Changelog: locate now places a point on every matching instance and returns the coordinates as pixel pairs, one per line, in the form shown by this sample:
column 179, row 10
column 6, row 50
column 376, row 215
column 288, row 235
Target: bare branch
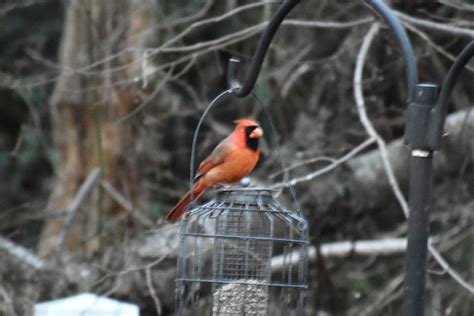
column 151, row 288
column 214, row 20
column 458, row 4
column 341, row 249
column 18, row 5
column 245, row 33
column 8, row 81
column 445, row 265
column 187, row 19
column 438, row 48
column 120, row 199
column 73, row 209
column 380, row 297
column 364, row 119
column 22, row 254
column 132, row 269
column 19, row 141
column 303, row 163
column 7, row 303
column 446, row 28
column 328, row 24
column 328, row 168
column 140, row 107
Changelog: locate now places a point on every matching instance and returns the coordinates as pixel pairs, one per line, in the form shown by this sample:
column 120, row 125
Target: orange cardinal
column 234, row 158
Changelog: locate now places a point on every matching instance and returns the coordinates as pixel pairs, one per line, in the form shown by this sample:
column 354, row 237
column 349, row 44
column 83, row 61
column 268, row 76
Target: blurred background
column 106, row 95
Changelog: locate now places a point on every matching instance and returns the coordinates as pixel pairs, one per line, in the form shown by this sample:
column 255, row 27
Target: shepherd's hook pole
column 421, row 182
column 425, row 121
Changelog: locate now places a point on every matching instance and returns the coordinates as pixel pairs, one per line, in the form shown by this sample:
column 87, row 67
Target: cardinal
column 232, row 159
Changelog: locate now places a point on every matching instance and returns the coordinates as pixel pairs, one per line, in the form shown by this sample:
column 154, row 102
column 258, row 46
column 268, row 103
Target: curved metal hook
column 257, row 60
column 446, row 89
column 195, row 137
column 407, row 50
column 262, row 48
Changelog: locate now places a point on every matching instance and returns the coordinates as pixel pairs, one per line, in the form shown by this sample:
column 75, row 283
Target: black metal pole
column 421, row 179
column 425, row 121
column 421, row 182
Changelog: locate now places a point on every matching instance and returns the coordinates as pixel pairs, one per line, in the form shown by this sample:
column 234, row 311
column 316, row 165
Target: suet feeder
column 225, row 256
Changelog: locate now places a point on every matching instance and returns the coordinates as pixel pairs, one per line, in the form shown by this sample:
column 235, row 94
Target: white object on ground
column 86, row 304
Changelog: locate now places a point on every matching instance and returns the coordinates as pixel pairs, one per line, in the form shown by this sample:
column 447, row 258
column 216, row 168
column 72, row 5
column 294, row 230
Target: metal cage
column 242, row 254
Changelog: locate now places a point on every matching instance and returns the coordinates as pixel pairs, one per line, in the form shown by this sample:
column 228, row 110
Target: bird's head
column 251, row 127
column 252, row 132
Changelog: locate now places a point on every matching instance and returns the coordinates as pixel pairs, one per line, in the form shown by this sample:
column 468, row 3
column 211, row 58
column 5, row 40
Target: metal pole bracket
column 421, row 118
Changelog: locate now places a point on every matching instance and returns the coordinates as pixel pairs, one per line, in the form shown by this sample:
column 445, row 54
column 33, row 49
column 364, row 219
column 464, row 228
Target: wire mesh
column 225, row 256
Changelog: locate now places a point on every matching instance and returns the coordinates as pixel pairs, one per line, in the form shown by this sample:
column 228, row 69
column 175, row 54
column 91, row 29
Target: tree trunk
column 88, row 100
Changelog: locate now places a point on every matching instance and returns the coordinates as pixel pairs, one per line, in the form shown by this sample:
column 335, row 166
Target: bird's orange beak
column 256, row 133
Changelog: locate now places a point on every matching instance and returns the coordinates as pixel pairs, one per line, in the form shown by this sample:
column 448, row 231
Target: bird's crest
column 246, row 122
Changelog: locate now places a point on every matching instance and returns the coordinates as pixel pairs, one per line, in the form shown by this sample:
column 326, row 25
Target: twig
column 460, row 4
column 446, row 28
column 220, row 42
column 212, row 20
column 445, row 265
column 132, row 269
column 18, row 5
column 303, row 163
column 436, row 47
column 328, row 24
column 120, row 199
column 364, row 119
column 328, row 168
column 6, row 305
column 250, row 30
column 380, row 297
column 84, row 70
column 300, row 71
column 359, row 98
column 156, row 299
column 385, row 247
column 73, row 208
column 19, row 141
column 149, row 98
column 8, row 81
column 187, row 19
column 242, row 34
column 22, row 254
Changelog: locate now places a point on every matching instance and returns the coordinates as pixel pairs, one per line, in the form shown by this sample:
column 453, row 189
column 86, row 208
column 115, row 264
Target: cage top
column 247, row 199
column 246, row 194
column 245, row 189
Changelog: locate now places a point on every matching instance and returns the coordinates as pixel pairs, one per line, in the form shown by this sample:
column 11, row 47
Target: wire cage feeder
column 242, row 254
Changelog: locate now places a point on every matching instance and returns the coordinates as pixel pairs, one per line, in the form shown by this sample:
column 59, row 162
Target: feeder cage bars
column 226, row 247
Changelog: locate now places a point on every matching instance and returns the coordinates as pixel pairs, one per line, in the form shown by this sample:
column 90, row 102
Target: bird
column 232, row 159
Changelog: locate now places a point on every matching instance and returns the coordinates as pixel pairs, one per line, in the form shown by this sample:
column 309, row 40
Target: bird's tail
column 178, row 210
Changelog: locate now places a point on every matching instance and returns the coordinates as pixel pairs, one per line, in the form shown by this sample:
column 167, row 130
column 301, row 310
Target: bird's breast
column 238, row 164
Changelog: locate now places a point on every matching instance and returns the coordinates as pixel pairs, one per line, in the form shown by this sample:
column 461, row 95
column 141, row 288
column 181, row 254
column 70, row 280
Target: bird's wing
column 217, row 157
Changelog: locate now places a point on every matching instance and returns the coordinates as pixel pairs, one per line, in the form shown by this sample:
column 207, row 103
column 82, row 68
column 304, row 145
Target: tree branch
column 384, row 247
column 445, row 28
column 22, row 254
column 73, row 208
